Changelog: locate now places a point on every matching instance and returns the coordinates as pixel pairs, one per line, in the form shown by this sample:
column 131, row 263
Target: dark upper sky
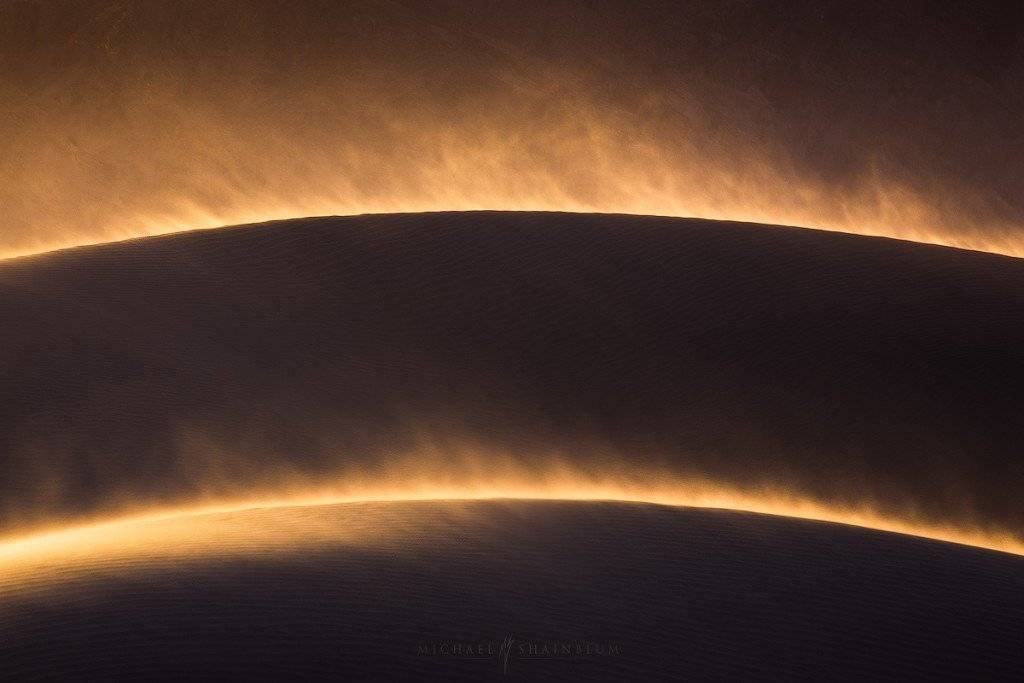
column 123, row 118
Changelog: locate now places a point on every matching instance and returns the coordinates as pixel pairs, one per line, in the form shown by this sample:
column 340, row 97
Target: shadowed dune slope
column 432, row 589
column 212, row 364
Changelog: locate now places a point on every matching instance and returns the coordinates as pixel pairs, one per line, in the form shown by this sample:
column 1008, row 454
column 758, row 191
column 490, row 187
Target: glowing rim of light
column 58, row 248
column 29, row 546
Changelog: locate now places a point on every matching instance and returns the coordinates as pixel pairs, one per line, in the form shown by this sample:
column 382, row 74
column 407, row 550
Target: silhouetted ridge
column 843, row 368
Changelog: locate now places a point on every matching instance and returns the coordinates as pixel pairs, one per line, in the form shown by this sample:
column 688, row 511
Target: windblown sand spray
column 201, row 510
column 582, row 157
column 145, row 129
column 295, row 514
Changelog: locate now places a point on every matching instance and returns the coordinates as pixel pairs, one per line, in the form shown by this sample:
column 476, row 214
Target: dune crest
column 288, row 524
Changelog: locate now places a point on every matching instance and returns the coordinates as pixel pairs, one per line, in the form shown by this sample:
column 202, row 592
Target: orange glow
column 675, row 189
column 137, row 118
column 578, row 156
column 238, row 527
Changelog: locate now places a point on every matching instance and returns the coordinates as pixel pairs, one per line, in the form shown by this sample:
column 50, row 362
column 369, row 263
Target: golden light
column 141, row 135
column 297, row 521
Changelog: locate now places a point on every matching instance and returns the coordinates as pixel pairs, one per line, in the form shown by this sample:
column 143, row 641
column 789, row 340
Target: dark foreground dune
column 431, row 590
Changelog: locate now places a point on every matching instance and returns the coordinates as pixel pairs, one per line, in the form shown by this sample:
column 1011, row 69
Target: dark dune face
column 656, row 593
column 480, row 348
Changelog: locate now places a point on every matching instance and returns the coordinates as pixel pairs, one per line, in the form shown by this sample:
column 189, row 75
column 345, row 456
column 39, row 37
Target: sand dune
column 459, row 350
column 431, row 590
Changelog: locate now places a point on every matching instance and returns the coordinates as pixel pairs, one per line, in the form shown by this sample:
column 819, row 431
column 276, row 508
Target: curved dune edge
column 244, row 526
column 1010, row 248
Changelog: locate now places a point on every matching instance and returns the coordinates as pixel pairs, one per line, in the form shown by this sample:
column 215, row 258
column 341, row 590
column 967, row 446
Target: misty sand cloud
column 132, row 118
